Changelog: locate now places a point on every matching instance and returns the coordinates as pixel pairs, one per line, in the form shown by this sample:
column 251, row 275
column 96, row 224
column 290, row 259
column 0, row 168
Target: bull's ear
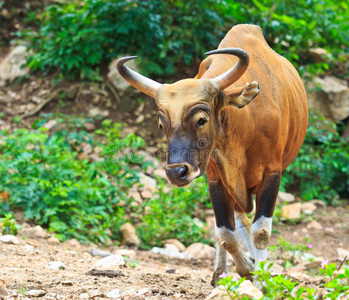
column 241, row 96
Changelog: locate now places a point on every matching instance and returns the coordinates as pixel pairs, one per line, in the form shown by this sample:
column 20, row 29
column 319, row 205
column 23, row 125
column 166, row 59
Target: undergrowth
column 47, row 175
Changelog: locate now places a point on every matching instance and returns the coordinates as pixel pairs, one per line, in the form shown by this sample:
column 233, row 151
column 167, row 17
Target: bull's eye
column 201, row 121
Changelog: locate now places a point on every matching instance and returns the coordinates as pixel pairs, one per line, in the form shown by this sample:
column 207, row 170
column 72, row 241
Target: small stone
column 342, row 253
column 126, row 252
column 36, row 293
column 172, row 248
column 136, row 196
column 75, row 243
column 29, row 248
column 55, row 265
column 160, row 172
column 291, row 211
column 144, row 291
column 330, row 231
column 129, row 237
column 201, row 251
column 96, row 293
column 146, row 194
column 90, row 126
column 285, row 197
column 314, row 225
column 140, row 119
column 318, row 203
column 53, row 240
column 109, row 262
column 114, row 294
column 147, row 182
column 67, row 283
column 36, row 232
column 177, row 243
column 84, row 296
column 9, row 239
column 276, row 269
column 50, row 124
column 308, row 208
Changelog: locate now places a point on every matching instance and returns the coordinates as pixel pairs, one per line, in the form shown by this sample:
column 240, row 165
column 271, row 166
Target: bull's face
column 186, row 114
column 189, row 112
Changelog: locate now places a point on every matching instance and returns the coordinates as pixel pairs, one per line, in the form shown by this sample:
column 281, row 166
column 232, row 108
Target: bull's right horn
column 229, row 77
column 140, row 82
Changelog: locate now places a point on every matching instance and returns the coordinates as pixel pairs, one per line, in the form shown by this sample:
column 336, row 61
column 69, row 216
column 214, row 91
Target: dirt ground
column 148, row 275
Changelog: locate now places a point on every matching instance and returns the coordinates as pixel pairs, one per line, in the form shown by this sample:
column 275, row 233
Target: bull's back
column 279, row 112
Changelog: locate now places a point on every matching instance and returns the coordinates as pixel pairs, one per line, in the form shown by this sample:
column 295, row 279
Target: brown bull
column 242, row 149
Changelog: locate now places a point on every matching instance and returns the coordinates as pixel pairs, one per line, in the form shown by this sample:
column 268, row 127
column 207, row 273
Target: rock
column 342, row 253
column 96, row 294
column 100, row 253
column 276, row 269
column 36, row 232
column 95, row 111
column 147, row 182
column 75, row 243
column 146, row 194
column 285, row 197
column 67, row 283
column 50, row 124
column 314, row 225
column 318, row 54
column 136, row 196
column 9, row 239
column 172, row 248
column 308, row 208
column 140, row 119
column 201, row 251
column 55, row 265
column 291, row 211
column 117, row 81
column 129, row 237
column 114, row 294
column 126, row 252
column 89, row 126
column 36, row 293
column 29, row 248
column 110, row 262
column 53, row 240
column 172, row 253
column 246, row 289
column 177, row 243
column 333, row 98
column 330, row 231
column 11, row 65
column 84, row 296
column 318, row 203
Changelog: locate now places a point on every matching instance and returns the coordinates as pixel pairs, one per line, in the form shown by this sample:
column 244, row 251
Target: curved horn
column 140, row 82
column 228, row 78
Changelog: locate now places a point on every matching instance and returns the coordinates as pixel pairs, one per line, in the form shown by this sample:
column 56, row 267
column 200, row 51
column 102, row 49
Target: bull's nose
column 177, row 174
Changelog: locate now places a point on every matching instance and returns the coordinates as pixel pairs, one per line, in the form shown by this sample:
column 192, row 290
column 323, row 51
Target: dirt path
column 147, row 275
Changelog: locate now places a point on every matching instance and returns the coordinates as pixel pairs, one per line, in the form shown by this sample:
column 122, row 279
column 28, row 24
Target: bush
column 321, row 169
column 75, row 37
column 50, row 178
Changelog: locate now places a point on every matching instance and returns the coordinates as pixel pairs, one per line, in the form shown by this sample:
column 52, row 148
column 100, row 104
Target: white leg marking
column 230, row 241
column 221, row 259
column 260, row 235
column 243, row 227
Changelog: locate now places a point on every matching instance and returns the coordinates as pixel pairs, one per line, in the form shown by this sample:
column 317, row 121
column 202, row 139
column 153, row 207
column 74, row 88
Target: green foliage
column 73, row 197
column 169, row 214
column 75, row 37
column 282, row 287
column 294, row 27
column 58, row 187
column 8, row 225
column 321, row 169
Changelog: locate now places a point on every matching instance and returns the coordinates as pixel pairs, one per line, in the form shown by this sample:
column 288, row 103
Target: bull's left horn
column 140, row 82
column 229, row 77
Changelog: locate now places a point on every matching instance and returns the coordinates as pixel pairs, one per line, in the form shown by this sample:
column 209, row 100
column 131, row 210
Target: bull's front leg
column 262, row 223
column 226, row 235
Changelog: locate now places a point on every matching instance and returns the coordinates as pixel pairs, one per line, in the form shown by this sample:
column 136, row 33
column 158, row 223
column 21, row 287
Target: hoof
column 215, row 277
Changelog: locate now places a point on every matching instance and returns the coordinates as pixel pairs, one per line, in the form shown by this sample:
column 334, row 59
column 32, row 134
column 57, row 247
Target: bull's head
column 189, row 113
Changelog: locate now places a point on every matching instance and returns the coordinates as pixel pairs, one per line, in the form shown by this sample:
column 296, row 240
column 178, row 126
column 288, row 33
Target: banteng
column 212, row 125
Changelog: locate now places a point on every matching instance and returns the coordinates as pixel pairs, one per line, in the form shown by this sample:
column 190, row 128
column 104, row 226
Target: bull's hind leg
column 262, row 223
column 226, row 235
